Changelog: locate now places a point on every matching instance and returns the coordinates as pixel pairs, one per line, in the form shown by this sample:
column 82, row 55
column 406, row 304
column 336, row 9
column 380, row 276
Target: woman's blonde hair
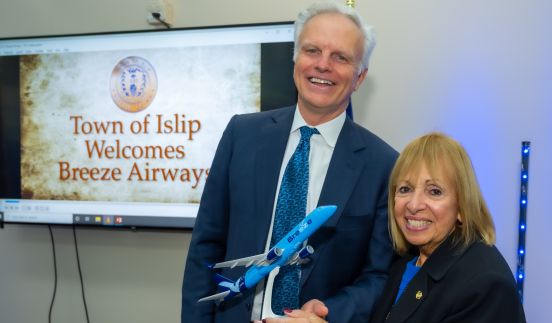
column 440, row 152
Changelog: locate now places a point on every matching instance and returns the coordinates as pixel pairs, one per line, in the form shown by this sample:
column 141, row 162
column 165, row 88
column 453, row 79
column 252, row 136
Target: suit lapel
column 273, row 137
column 344, row 170
column 412, row 297
column 419, row 288
column 387, row 299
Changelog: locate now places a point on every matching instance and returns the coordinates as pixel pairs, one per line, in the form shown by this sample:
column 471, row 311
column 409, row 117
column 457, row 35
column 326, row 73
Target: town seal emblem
column 133, row 84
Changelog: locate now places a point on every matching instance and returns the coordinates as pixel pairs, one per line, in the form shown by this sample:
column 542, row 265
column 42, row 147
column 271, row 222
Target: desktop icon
column 108, row 220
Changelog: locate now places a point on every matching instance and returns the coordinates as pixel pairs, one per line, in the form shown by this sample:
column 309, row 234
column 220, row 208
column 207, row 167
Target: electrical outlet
column 163, row 8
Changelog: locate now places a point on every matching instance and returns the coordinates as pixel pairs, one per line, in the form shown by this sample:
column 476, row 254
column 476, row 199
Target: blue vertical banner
column 522, row 229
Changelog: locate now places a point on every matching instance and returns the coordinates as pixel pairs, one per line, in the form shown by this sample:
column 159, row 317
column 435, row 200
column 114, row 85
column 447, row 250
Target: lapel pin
column 419, row 294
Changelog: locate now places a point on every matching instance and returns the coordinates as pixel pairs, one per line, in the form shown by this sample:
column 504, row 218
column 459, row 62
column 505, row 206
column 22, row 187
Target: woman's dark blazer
column 471, row 285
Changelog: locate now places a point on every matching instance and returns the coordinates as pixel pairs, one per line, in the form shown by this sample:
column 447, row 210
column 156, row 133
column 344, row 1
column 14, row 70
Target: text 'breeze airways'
column 140, row 173
column 114, row 150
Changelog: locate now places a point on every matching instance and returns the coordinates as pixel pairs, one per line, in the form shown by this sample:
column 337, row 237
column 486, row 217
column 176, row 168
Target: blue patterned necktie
column 290, row 209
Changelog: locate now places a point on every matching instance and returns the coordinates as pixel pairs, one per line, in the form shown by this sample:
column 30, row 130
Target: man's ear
column 361, row 77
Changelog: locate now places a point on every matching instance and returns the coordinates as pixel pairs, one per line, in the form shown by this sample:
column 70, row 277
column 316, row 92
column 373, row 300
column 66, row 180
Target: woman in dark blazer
column 450, row 270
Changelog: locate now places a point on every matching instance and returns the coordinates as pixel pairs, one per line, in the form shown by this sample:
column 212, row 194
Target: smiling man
column 328, row 66
column 249, row 186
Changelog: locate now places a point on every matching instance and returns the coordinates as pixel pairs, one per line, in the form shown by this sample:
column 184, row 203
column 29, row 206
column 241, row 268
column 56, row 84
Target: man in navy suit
column 348, row 167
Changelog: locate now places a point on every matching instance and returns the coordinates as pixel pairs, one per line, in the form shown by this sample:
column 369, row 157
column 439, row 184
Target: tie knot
column 307, row 132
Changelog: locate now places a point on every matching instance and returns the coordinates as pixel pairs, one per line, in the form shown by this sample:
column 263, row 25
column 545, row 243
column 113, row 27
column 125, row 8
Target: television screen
column 119, row 129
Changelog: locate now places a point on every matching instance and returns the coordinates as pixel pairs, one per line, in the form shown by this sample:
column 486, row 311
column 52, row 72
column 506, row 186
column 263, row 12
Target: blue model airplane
column 288, row 251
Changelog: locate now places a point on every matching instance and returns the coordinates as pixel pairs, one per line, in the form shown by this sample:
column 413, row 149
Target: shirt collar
column 329, row 130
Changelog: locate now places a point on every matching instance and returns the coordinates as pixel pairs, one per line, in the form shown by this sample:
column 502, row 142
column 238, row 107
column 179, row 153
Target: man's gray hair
column 332, row 7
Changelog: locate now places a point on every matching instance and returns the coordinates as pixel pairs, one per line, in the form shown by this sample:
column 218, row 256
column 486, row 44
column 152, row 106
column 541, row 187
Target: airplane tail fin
column 225, row 289
column 219, row 279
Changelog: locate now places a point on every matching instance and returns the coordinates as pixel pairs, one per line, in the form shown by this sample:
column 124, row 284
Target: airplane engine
column 273, row 254
column 306, row 252
column 302, row 256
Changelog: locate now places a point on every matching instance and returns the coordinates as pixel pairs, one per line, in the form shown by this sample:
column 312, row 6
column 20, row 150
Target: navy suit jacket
column 352, row 250
column 474, row 285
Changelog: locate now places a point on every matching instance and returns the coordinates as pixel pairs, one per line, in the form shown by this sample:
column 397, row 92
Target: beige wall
column 43, row 17
column 478, row 70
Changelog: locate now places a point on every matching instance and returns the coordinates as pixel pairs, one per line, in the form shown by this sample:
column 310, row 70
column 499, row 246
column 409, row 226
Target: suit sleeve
column 208, row 243
column 355, row 303
column 487, row 297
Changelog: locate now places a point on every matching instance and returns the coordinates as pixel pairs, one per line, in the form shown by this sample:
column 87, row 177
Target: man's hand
column 316, row 307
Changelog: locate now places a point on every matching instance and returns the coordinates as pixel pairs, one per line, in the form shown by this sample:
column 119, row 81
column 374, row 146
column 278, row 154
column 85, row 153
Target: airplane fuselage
column 291, row 243
column 289, row 250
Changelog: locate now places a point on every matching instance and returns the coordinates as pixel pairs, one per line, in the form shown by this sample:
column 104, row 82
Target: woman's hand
column 313, row 311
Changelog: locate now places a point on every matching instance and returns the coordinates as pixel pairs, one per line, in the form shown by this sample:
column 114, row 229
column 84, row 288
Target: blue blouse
column 409, row 273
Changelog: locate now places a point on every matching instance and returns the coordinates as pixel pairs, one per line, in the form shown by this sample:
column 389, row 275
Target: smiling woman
column 434, row 181
column 426, row 209
column 450, row 270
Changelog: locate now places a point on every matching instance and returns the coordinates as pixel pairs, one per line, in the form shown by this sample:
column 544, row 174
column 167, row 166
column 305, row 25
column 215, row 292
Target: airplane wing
column 247, row 261
column 259, row 260
column 215, row 297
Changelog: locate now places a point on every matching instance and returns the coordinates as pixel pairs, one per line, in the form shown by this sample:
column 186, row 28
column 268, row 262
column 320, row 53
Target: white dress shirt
column 321, row 150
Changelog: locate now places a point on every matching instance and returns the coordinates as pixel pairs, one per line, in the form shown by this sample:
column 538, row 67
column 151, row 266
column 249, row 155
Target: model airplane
column 288, row 251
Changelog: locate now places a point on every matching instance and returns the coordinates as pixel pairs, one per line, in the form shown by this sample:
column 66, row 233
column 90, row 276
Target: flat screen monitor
column 120, row 129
